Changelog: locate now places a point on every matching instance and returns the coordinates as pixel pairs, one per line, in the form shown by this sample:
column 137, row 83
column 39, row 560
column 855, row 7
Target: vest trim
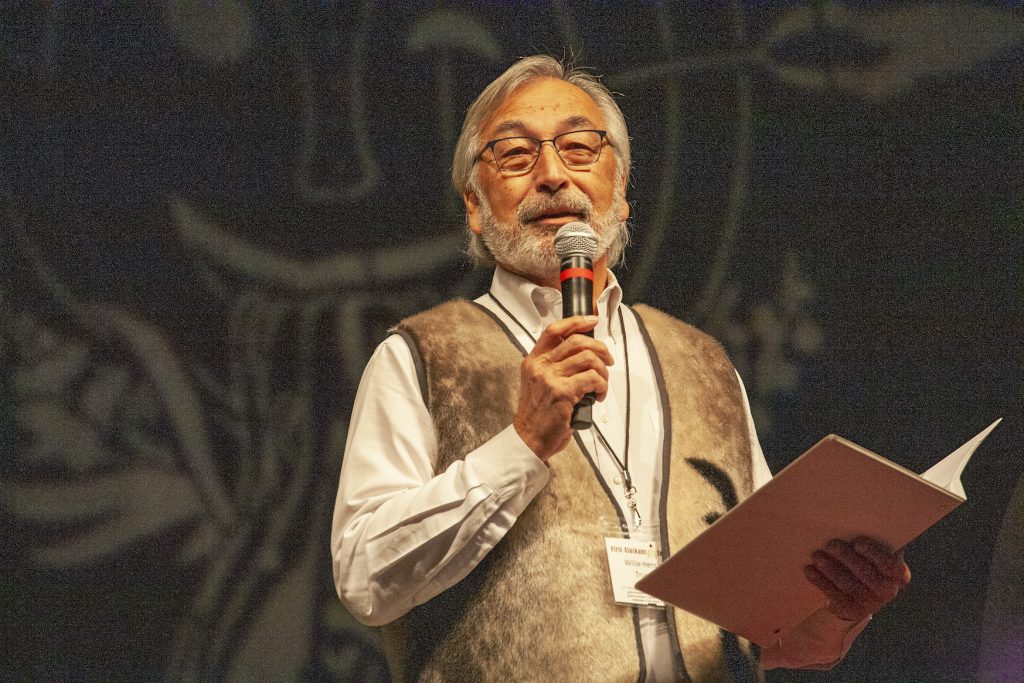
column 417, row 360
column 666, row 462
column 504, row 328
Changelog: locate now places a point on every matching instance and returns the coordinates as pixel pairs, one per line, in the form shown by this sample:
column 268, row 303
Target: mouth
column 556, row 218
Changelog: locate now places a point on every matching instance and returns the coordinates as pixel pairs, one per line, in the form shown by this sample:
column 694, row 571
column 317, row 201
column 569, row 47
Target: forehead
column 544, row 107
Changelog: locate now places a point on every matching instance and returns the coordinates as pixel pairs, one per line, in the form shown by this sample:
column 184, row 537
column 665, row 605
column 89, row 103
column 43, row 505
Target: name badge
column 629, row 560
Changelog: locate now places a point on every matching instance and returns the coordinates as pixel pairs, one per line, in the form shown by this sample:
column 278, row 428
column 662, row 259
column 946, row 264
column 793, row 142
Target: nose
column 549, row 174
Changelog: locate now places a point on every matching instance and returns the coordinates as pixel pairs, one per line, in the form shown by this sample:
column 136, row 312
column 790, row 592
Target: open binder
column 745, row 571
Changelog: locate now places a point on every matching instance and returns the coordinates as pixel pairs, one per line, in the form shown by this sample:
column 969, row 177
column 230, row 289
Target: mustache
column 534, row 208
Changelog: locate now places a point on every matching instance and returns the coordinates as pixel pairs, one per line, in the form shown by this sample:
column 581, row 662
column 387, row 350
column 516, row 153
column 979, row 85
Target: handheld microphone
column 576, row 245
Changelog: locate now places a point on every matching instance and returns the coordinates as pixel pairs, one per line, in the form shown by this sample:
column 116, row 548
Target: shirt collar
column 536, row 307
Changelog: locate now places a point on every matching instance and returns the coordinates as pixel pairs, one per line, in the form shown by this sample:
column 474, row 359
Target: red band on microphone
column 576, row 272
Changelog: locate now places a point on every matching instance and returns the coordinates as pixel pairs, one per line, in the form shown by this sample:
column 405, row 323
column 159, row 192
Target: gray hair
column 494, row 95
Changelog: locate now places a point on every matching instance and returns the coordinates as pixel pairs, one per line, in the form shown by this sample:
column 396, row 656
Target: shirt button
column 604, row 418
column 617, row 479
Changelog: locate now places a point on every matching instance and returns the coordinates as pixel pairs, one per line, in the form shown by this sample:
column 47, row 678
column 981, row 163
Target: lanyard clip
column 630, row 492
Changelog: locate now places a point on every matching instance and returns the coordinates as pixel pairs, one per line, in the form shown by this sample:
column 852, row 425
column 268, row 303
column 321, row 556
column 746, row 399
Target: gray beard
column 529, row 250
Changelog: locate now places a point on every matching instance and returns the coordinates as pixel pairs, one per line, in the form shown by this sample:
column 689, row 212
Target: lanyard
column 628, row 490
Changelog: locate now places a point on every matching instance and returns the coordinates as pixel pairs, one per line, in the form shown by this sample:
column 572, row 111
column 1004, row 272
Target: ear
column 472, row 202
column 624, row 209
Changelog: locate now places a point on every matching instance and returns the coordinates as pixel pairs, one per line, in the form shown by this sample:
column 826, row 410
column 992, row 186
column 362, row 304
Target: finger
column 883, row 587
column 581, row 362
column 837, row 602
column 890, row 563
column 835, row 572
column 821, row 582
column 554, row 333
column 847, row 610
column 578, row 343
column 589, row 382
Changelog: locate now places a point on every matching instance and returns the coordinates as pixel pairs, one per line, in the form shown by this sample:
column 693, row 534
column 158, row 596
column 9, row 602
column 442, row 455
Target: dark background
column 213, row 210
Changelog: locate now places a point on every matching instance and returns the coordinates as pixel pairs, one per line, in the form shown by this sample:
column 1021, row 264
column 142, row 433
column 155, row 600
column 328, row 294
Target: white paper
column 946, row 473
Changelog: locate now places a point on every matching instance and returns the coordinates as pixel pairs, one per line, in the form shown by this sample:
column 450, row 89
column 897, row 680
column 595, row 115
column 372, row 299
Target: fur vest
column 538, row 607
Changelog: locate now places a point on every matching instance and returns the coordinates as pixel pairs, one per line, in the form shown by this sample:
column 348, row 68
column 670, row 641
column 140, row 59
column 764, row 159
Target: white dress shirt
column 402, row 535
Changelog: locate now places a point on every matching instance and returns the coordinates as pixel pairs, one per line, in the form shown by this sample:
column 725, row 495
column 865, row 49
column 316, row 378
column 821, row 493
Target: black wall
column 203, row 201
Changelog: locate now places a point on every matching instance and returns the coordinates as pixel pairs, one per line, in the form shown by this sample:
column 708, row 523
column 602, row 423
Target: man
column 470, row 519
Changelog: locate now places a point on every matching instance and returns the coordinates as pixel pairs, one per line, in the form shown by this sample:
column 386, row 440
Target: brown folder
column 745, row 571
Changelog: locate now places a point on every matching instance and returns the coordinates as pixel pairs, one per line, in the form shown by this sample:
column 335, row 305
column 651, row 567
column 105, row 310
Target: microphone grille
column 576, row 238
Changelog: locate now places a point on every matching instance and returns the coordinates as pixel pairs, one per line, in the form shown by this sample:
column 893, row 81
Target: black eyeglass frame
column 540, row 143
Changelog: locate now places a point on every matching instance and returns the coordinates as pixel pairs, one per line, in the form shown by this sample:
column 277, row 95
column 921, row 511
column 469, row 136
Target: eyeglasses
column 518, row 155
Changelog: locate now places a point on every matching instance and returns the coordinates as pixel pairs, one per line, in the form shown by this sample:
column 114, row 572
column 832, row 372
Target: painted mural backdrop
column 211, row 212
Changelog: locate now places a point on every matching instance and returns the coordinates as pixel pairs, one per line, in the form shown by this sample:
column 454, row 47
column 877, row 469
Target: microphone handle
column 578, row 299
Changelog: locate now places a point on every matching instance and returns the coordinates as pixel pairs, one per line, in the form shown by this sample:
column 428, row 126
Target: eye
column 579, row 148
column 578, row 154
column 512, row 151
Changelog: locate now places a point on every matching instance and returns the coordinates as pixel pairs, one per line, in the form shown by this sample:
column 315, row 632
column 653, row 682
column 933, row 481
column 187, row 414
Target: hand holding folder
column 746, row 571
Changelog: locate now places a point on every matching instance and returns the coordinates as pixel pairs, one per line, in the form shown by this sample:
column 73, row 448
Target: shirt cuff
column 508, row 466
